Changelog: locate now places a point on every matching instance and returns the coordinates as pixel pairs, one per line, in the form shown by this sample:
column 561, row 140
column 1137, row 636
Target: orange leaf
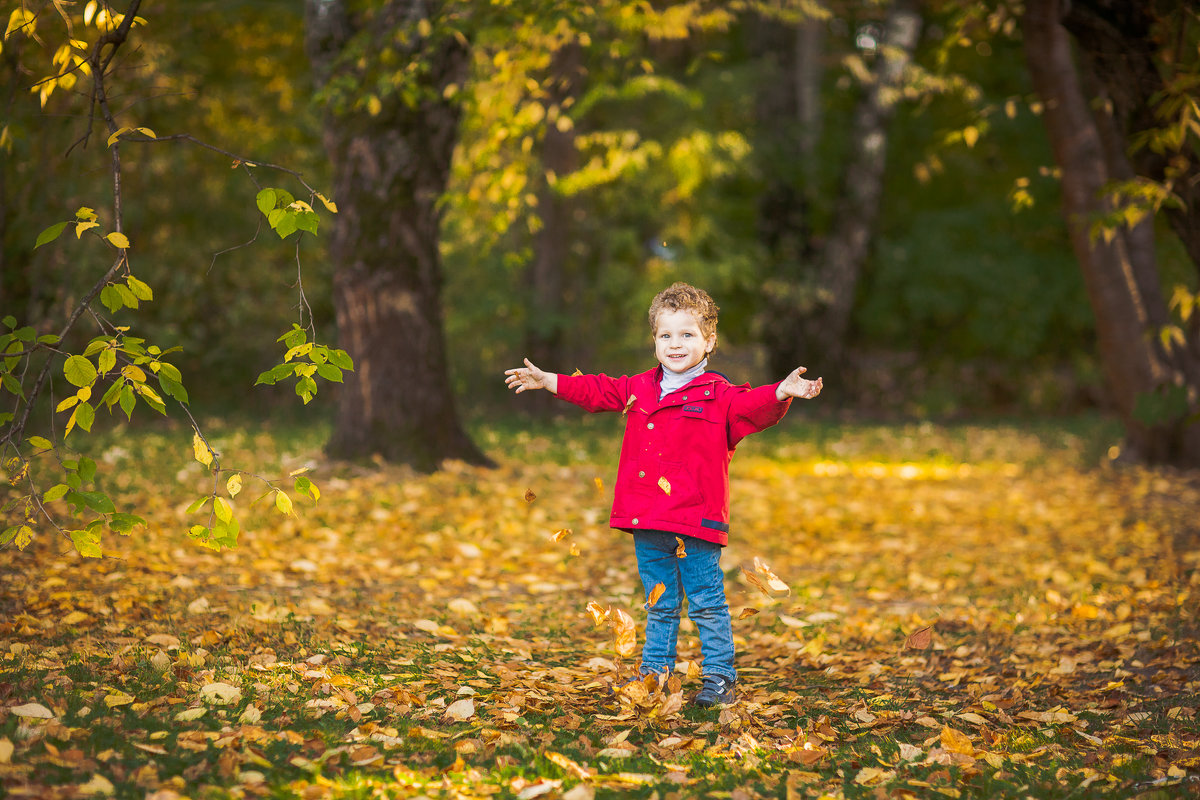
column 920, row 639
column 747, row 612
column 655, row 593
column 624, row 633
column 665, row 485
column 530, row 496
column 559, row 535
column 956, row 742
column 680, row 550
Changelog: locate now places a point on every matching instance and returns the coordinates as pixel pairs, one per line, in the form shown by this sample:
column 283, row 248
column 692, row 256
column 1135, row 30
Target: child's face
column 679, row 343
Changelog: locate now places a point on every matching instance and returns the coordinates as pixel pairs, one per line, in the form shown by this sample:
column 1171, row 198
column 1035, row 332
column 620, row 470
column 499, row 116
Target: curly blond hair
column 680, row 296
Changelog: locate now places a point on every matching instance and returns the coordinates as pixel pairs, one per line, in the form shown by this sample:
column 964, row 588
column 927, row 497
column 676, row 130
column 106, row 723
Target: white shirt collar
column 672, row 380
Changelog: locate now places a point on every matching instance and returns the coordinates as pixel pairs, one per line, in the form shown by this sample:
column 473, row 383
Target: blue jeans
column 699, row 578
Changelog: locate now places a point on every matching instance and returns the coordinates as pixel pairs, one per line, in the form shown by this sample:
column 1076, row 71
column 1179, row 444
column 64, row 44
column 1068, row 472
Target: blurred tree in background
column 865, row 188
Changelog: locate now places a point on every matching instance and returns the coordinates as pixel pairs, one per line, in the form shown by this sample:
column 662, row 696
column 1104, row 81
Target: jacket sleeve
column 595, row 392
column 754, row 410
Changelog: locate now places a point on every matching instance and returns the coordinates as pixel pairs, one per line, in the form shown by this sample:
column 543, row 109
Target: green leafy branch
column 322, row 361
column 221, row 529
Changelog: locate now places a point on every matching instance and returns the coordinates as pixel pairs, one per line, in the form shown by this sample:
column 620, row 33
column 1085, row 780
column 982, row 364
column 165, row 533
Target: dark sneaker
column 716, row 691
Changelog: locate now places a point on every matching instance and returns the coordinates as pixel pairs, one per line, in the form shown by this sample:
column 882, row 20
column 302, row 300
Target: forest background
column 955, row 212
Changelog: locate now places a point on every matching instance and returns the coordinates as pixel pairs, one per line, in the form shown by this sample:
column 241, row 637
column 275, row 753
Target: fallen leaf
column 118, row 698
column 220, row 694
column 97, row 784
column 191, row 714
column 568, row 765
column 954, row 741
column 655, row 593
column 6, row 750
column 32, row 711
column 460, row 710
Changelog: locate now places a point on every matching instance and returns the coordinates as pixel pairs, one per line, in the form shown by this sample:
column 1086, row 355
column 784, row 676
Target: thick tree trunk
column 390, row 169
column 1121, row 273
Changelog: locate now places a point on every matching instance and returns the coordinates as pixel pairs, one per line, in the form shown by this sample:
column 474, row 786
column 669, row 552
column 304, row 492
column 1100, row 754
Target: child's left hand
column 795, row 386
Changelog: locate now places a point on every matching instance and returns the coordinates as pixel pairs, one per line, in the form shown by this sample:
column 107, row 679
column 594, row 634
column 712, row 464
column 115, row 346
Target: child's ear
column 712, row 344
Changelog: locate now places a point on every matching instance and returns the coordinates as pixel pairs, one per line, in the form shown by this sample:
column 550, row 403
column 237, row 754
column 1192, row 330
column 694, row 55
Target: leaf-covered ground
column 969, row 612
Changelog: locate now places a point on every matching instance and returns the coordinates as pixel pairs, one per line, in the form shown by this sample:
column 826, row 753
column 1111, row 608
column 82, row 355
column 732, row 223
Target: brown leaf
column 568, row 765
column 530, row 496
column 680, row 550
column 747, row 612
column 655, row 593
column 920, row 639
column 629, row 404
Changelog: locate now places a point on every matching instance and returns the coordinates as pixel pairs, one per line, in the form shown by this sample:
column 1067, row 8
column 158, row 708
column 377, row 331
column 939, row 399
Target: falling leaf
column 629, row 404
column 624, row 632
column 655, row 594
column 920, row 639
column 764, row 579
column 460, row 710
column 574, row 549
column 599, row 483
column 665, row 485
column 747, row 612
column 530, row 496
column 599, row 613
column 559, row 535
column 680, row 550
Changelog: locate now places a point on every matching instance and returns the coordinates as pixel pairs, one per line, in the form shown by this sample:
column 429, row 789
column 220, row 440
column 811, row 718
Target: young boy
column 673, row 478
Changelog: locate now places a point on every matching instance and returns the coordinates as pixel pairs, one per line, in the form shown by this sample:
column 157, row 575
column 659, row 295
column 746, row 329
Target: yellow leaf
column 82, row 227
column 329, row 204
column 283, row 502
column 970, row 135
column 118, row 698
column 74, row 618
column 656, row 593
column 568, row 765
column 599, row 483
column 680, row 550
column 234, row 484
column 665, row 485
column 747, row 612
column 956, row 742
column 118, row 240
column 559, row 535
column 201, row 450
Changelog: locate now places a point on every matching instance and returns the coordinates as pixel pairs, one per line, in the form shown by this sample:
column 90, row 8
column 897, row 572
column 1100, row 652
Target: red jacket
column 674, row 469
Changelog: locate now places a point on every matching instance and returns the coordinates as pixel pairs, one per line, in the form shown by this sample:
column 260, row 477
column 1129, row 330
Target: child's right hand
column 530, row 377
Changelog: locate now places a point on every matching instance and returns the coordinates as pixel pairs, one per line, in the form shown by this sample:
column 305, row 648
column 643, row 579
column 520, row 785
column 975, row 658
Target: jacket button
column 650, row 426
column 685, row 397
column 707, row 393
column 635, row 520
column 641, row 473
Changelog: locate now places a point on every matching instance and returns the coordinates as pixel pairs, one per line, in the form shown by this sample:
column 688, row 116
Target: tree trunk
column 1120, row 274
column 544, row 343
column 1117, row 39
column 391, row 163
column 810, row 326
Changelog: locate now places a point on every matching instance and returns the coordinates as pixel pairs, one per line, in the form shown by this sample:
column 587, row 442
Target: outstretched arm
column 530, row 377
column 795, row 386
